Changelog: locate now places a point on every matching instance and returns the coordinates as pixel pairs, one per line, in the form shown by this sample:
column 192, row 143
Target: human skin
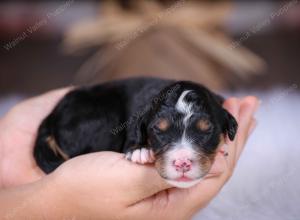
column 101, row 185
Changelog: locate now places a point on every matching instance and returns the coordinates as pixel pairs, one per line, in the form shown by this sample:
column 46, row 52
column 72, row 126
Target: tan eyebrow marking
column 163, row 124
column 55, row 148
column 203, row 124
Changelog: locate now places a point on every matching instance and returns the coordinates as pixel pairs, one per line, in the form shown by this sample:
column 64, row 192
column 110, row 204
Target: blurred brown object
column 184, row 40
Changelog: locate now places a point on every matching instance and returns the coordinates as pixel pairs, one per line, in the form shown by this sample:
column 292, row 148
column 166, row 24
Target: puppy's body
column 174, row 121
column 93, row 119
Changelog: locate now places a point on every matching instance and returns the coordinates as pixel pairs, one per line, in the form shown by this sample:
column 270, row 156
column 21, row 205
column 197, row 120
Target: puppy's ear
column 230, row 125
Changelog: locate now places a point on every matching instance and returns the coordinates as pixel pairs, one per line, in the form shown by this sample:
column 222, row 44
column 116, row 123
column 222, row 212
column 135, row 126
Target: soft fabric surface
column 266, row 183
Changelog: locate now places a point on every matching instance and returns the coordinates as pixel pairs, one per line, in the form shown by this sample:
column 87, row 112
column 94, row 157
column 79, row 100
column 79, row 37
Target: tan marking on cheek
column 55, row 148
column 207, row 161
column 160, row 164
column 163, row 124
column 203, row 124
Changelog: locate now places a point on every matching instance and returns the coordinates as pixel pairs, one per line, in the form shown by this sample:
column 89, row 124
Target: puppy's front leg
column 137, row 147
column 140, row 155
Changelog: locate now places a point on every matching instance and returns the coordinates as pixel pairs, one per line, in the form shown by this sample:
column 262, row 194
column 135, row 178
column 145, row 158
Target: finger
column 240, row 148
column 252, row 126
column 139, row 181
column 246, row 113
column 144, row 181
column 231, row 105
column 114, row 173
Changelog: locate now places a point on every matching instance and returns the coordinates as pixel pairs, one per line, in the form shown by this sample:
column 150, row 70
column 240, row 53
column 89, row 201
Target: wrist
column 53, row 200
column 62, row 201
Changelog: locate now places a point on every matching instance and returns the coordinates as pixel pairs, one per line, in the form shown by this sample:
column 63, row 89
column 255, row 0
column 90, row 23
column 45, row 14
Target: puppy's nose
column 182, row 165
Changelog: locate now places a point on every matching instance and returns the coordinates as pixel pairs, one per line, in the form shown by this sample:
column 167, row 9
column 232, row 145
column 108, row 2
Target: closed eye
column 162, row 124
column 204, row 125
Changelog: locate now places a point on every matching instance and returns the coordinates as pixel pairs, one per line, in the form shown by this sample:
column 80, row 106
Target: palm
column 17, row 137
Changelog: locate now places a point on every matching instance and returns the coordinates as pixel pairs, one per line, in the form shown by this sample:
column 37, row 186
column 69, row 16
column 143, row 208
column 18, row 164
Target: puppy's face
column 184, row 131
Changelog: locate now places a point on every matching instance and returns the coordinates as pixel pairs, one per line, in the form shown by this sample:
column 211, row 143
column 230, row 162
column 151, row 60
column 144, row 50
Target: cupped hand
column 105, row 184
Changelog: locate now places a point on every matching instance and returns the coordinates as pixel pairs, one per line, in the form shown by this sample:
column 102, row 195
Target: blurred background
column 234, row 47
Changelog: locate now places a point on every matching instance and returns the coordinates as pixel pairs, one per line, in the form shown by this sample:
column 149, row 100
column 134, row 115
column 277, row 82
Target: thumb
column 127, row 181
column 140, row 181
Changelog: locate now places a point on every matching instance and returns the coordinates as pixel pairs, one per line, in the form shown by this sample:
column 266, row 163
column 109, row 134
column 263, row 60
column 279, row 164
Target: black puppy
column 179, row 125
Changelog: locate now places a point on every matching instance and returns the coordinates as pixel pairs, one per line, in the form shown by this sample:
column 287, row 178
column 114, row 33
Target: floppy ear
column 230, row 125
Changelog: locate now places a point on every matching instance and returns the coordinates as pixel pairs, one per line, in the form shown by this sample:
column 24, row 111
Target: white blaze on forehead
column 181, row 105
column 184, row 107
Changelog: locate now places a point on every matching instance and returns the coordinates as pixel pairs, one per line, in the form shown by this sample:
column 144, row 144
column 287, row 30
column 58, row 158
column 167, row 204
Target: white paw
column 141, row 156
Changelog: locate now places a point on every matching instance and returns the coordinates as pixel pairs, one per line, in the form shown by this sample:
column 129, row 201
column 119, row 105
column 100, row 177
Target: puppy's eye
column 203, row 124
column 162, row 124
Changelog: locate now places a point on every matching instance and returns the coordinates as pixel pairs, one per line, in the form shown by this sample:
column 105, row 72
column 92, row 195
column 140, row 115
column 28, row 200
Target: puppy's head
column 185, row 127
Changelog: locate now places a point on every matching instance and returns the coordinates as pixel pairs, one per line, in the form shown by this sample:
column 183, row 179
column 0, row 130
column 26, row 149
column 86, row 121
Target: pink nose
column 182, row 165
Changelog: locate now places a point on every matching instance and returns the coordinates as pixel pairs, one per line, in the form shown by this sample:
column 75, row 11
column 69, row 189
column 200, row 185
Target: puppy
column 178, row 125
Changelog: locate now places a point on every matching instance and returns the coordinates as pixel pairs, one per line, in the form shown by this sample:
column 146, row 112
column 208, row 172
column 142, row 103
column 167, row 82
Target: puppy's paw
column 140, row 156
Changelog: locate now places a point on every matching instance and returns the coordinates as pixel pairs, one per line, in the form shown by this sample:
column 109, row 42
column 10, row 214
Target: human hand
column 108, row 186
column 17, row 137
column 135, row 191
